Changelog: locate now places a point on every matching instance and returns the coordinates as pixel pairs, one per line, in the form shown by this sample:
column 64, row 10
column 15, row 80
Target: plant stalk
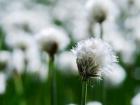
column 84, row 93
column 101, row 30
column 52, row 75
column 19, row 89
column 104, row 93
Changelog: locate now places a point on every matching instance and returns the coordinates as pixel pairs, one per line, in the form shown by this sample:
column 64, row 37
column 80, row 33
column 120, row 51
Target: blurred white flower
column 17, row 62
column 117, row 38
column 114, row 36
column 33, row 59
column 22, row 41
column 19, row 18
column 66, row 63
column 62, row 9
column 2, row 82
column 99, row 10
column 93, row 57
column 75, row 22
column 94, row 103
column 122, row 4
column 133, row 23
column 43, row 72
column 136, row 99
column 79, row 26
column 115, row 76
column 52, row 39
column 128, row 53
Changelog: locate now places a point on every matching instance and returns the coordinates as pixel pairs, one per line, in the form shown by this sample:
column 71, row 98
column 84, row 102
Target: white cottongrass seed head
column 17, row 62
column 66, row 63
column 101, row 10
column 136, row 99
column 52, row 39
column 93, row 56
column 115, row 77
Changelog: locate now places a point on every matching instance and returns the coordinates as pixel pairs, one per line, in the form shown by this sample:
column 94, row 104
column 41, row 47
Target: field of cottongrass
column 69, row 52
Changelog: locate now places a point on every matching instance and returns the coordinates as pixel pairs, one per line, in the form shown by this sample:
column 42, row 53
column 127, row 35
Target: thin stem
column 84, row 92
column 103, row 93
column 101, row 30
column 52, row 81
column 103, row 83
column 19, row 88
column 91, row 34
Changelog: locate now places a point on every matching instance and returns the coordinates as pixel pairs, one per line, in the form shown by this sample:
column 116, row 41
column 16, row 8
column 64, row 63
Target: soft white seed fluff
column 22, row 41
column 2, row 82
column 52, row 35
column 17, row 62
column 21, row 19
column 33, row 59
column 94, row 56
column 94, row 103
column 97, row 7
column 136, row 100
column 43, row 72
column 66, row 63
column 115, row 76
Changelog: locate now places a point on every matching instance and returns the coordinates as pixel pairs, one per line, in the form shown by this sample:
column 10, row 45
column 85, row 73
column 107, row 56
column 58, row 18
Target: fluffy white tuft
column 115, row 76
column 51, row 35
column 94, row 56
column 136, row 100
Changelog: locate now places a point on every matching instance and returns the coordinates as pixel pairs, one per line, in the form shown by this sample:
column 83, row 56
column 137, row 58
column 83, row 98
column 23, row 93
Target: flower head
column 66, row 63
column 52, row 39
column 100, row 10
column 115, row 77
column 136, row 99
column 17, row 62
column 93, row 57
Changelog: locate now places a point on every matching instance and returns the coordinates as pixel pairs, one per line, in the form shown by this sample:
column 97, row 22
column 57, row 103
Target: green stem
column 91, row 34
column 19, row 88
column 52, row 81
column 103, row 83
column 101, row 30
column 84, row 92
column 103, row 93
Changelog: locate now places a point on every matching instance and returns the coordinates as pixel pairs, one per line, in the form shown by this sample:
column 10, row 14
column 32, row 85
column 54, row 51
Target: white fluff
column 98, row 51
column 115, row 76
column 53, row 34
column 66, row 63
column 108, row 6
column 17, row 19
column 19, row 41
column 136, row 100
column 17, row 62
column 33, row 59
